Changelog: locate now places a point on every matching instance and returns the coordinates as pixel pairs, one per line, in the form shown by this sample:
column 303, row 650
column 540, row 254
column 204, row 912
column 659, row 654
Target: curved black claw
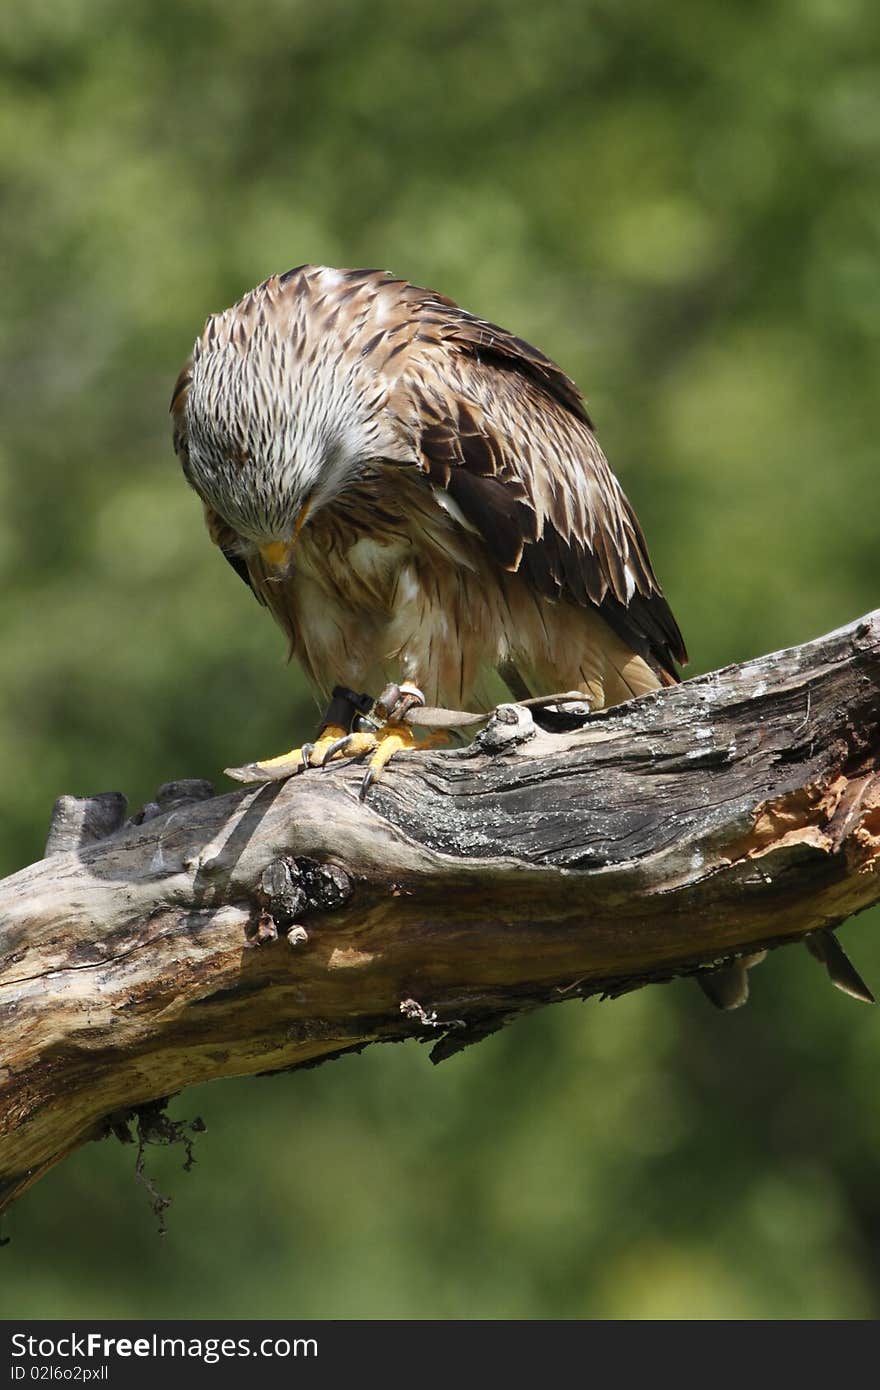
column 338, row 747
column 368, row 780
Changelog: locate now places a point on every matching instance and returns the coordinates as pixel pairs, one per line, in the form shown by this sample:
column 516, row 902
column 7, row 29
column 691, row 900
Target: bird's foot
column 382, row 741
column 381, row 745
column 309, row 755
column 381, row 734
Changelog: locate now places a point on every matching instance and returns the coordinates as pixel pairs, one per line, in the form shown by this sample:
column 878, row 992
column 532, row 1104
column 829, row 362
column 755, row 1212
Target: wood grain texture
column 277, row 927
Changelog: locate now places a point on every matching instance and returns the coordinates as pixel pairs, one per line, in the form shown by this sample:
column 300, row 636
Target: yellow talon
column 389, row 742
column 335, row 745
column 274, row 769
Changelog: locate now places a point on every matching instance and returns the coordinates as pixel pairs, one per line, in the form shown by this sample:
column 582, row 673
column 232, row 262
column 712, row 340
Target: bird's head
column 275, row 419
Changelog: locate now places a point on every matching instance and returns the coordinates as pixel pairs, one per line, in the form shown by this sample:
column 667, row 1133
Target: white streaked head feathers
column 280, row 409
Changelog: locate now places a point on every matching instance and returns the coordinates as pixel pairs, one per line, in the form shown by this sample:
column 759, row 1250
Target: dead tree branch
column 277, row 927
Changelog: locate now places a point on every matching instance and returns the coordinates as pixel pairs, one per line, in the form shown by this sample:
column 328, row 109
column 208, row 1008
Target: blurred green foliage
column 680, row 204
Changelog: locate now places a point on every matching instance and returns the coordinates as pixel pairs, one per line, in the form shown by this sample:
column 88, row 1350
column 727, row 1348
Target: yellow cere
column 277, row 553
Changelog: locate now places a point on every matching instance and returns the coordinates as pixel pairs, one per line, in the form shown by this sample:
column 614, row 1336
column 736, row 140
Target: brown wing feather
column 505, row 432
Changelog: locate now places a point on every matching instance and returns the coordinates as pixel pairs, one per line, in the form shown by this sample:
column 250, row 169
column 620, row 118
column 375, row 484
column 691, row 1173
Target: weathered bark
column 276, row 927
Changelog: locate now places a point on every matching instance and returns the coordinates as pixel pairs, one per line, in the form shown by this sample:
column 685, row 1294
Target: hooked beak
column 277, row 554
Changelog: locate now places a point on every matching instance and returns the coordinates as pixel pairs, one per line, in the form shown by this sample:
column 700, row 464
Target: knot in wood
column 289, row 888
column 327, row 887
column 281, row 891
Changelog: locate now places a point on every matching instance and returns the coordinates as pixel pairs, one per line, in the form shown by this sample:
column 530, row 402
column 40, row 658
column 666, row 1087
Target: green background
column 680, row 204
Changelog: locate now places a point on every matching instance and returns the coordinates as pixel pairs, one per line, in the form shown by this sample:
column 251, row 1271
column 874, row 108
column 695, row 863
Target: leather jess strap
column 347, row 706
